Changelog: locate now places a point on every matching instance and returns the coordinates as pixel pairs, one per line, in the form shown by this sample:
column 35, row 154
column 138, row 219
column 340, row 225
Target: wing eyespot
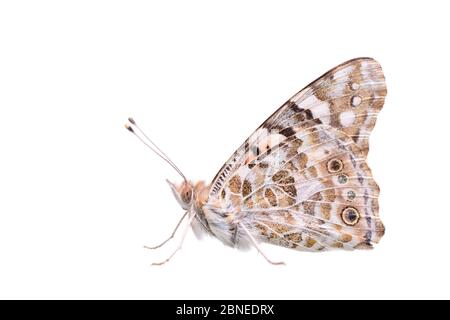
column 350, row 216
column 351, row 195
column 342, row 178
column 335, row 165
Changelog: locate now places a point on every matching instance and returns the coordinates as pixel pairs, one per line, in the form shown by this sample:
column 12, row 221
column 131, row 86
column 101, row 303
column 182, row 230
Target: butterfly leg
column 252, row 239
column 171, row 236
column 180, row 245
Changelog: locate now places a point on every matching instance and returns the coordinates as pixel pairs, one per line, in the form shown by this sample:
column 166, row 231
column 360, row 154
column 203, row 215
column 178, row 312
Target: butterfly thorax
column 208, row 219
column 200, row 224
column 201, row 190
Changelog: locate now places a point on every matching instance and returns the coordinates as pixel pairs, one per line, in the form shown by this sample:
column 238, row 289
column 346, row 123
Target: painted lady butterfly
column 301, row 179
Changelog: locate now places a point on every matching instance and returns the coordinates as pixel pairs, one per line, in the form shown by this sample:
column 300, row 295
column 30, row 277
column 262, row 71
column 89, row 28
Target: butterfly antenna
column 151, row 145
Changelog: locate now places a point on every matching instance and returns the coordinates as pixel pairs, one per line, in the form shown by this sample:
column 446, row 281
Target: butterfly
column 301, row 180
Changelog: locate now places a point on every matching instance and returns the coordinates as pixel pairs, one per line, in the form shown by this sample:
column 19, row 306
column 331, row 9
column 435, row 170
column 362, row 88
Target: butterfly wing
column 301, row 179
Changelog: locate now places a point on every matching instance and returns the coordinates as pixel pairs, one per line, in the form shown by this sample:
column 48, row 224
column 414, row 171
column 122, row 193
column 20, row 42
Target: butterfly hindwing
column 310, row 193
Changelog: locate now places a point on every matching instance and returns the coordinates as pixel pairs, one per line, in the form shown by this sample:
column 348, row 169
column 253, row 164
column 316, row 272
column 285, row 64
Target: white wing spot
column 356, row 101
column 347, row 118
column 320, row 109
column 355, row 86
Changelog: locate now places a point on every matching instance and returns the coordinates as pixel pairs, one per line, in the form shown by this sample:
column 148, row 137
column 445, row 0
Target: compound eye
column 187, row 195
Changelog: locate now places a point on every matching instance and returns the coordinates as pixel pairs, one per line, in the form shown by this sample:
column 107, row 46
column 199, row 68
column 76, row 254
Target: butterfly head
column 184, row 193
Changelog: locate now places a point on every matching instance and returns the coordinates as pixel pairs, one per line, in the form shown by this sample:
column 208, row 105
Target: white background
column 79, row 195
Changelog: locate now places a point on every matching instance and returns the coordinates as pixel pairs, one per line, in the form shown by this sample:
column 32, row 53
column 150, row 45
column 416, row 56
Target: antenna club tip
column 127, row 126
column 131, row 120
